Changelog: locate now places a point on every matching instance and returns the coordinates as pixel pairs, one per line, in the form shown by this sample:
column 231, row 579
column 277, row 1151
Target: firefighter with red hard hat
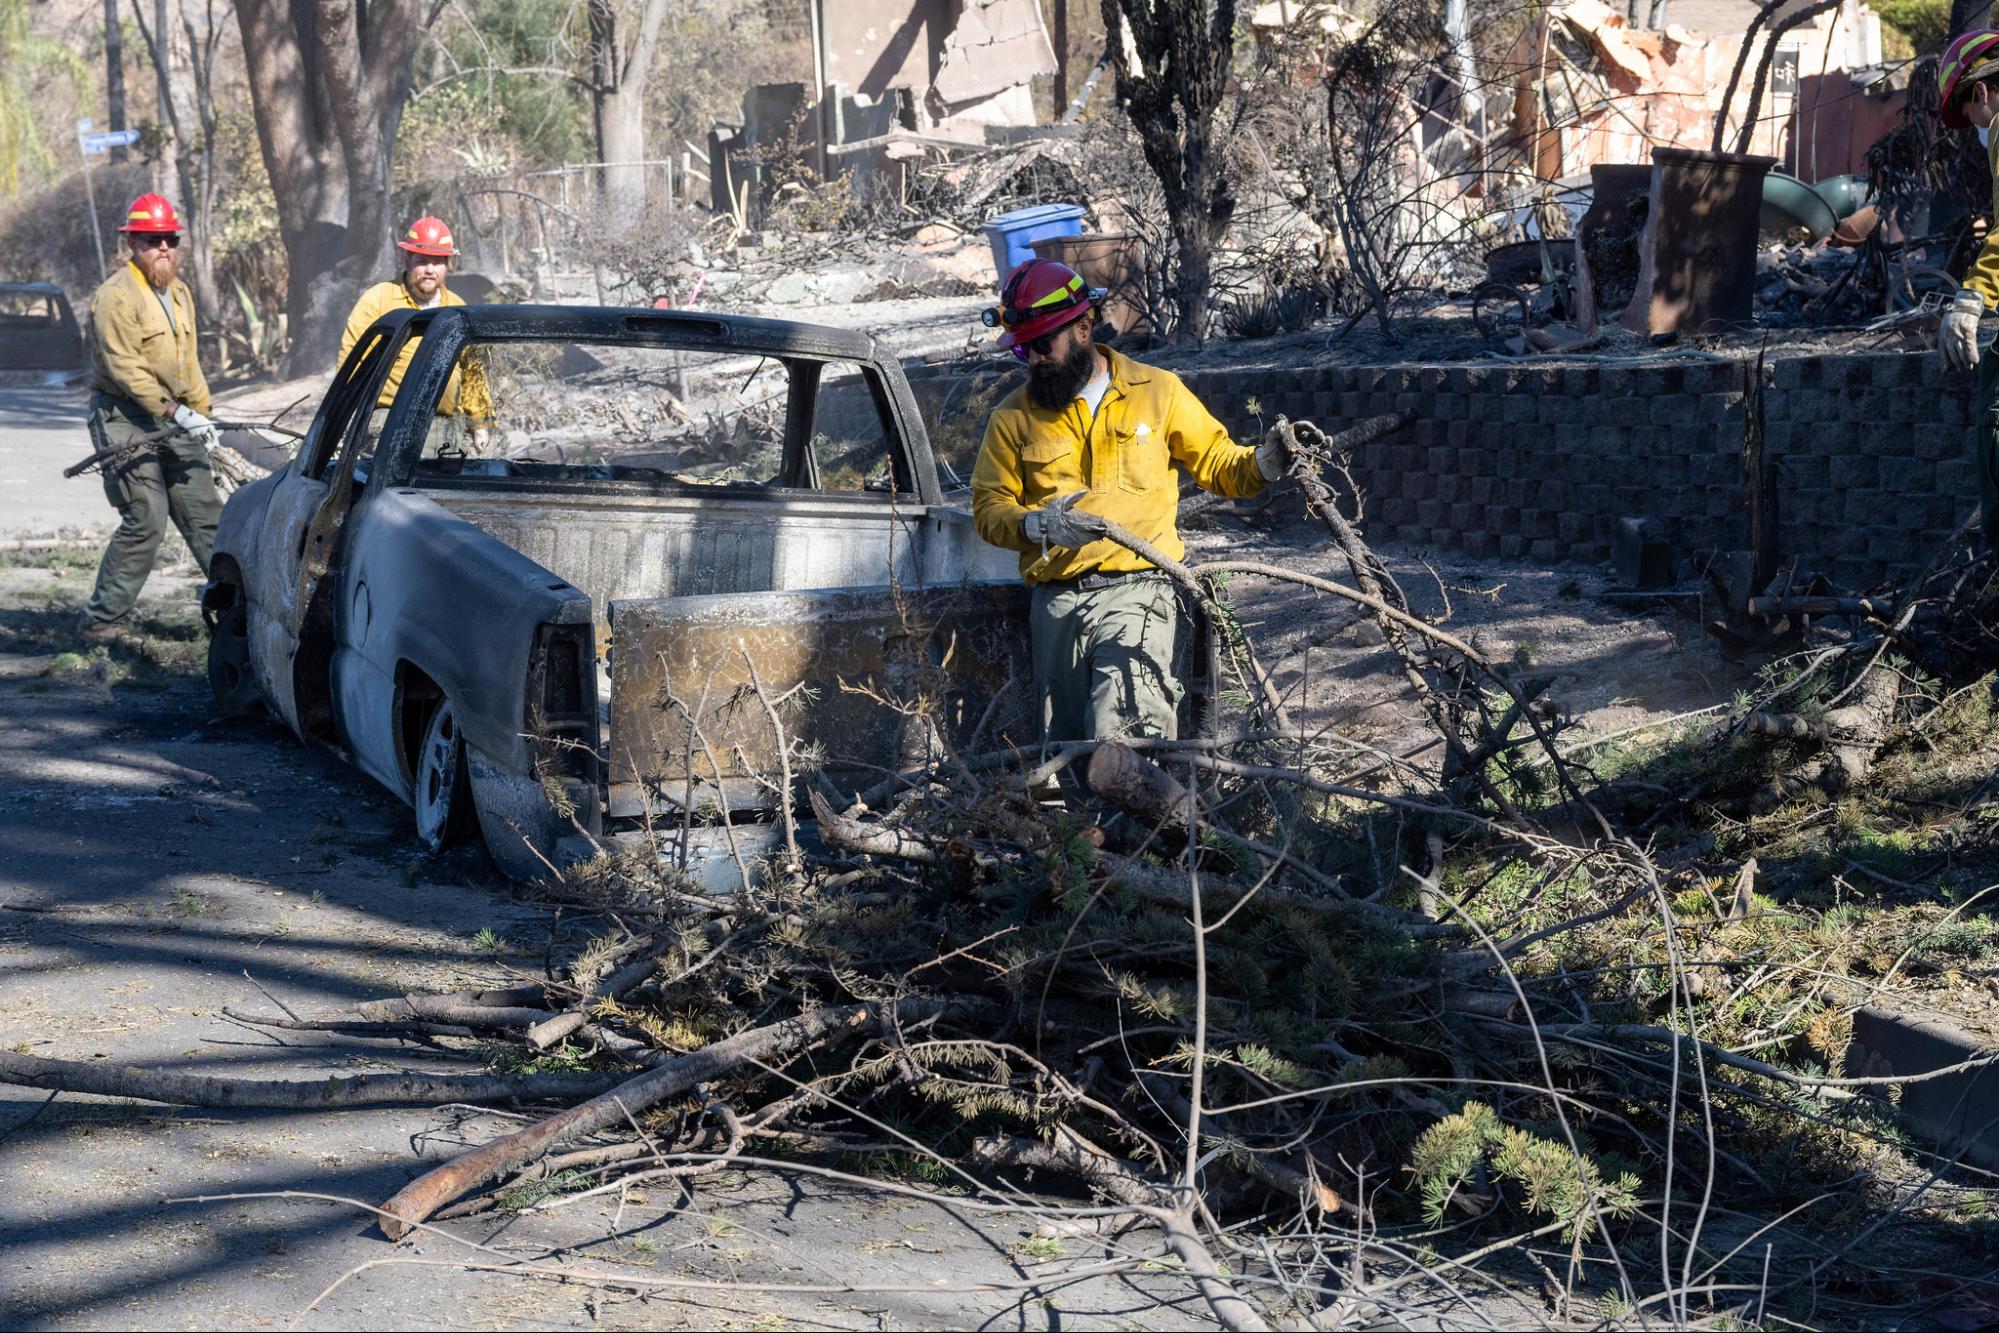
column 145, row 380
column 465, row 410
column 1094, row 432
column 1968, row 98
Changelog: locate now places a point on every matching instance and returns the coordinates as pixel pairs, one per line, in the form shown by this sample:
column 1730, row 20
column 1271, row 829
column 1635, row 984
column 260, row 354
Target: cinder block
column 1447, row 407
column 1908, row 476
column 1934, row 442
column 1854, row 571
column 1794, row 372
column 1512, row 545
column 1851, row 472
column 1450, row 486
column 1864, row 508
column 1547, row 551
column 1572, row 527
column 1479, row 544
column 1430, row 513
column 1896, row 546
column 1536, row 524
column 1938, row 514
column 1957, row 476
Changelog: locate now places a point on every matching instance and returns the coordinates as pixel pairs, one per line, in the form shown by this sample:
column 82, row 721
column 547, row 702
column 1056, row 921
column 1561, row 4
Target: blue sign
column 104, row 143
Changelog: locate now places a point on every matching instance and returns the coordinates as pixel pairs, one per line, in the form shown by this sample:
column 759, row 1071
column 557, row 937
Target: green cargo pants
column 170, row 479
column 1103, row 658
column 1985, row 440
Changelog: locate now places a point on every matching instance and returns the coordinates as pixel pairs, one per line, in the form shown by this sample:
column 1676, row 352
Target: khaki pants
column 1103, row 659
column 169, row 480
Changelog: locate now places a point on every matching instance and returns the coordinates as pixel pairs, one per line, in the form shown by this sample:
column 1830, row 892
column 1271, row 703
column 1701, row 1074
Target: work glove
column 1273, row 456
column 1957, row 334
column 1055, row 525
column 197, row 426
column 482, row 436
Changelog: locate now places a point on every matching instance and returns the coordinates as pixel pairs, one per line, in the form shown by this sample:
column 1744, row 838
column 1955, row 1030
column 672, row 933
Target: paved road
column 41, row 433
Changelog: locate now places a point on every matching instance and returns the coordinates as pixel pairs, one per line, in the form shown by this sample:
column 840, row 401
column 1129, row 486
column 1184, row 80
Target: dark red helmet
column 1039, row 297
column 151, row 215
column 1970, row 54
column 428, row 236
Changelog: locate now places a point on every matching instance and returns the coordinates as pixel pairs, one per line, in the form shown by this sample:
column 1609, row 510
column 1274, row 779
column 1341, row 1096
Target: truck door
column 276, row 593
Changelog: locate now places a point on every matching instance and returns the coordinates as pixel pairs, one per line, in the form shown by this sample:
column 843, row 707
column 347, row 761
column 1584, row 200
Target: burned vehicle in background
column 715, row 553
column 38, row 330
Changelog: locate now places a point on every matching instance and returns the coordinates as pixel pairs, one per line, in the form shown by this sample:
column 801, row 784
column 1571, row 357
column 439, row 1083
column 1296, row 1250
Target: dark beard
column 1054, row 384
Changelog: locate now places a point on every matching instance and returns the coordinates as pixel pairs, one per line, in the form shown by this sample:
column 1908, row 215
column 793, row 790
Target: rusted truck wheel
column 229, row 677
column 443, row 795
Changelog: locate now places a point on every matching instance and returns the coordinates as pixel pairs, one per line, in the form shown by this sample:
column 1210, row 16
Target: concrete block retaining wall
column 1873, row 453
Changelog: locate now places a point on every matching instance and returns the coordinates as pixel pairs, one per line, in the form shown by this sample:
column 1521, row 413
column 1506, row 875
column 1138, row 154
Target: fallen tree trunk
column 106, row 1080
column 415, row 1202
column 1138, row 786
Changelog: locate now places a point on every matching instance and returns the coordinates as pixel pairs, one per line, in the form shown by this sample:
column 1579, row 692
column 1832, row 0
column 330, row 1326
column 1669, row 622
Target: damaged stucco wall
column 968, row 62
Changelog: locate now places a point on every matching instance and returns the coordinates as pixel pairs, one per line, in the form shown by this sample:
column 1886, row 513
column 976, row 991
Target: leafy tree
column 24, row 55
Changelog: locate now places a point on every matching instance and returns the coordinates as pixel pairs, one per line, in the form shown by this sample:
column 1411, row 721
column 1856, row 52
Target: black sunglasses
column 145, row 242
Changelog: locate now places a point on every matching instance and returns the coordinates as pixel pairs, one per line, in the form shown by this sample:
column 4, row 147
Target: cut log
column 1137, row 786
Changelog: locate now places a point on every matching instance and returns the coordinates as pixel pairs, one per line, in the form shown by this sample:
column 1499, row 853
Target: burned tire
column 230, row 679
column 442, row 794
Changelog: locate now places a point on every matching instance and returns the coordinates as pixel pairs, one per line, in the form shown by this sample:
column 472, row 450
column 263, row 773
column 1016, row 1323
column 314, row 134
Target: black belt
column 1093, row 582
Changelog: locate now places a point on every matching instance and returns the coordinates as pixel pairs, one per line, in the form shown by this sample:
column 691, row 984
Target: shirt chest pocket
column 1048, row 468
column 1142, row 462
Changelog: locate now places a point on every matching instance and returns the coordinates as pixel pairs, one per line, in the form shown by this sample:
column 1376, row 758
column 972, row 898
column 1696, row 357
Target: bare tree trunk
column 184, row 65
column 328, row 81
column 114, row 73
column 1172, row 73
column 622, row 49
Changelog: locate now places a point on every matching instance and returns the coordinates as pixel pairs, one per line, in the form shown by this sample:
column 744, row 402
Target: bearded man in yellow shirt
column 144, row 382
column 1094, row 431
column 427, row 254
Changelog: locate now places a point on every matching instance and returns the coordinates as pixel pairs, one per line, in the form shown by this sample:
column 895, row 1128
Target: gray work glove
column 1055, row 525
column 482, row 439
column 1273, row 456
column 1957, row 334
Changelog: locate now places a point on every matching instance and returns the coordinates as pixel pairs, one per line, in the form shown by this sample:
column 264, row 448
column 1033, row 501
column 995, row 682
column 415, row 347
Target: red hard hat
column 1039, row 297
column 428, row 236
column 153, row 215
column 1967, row 53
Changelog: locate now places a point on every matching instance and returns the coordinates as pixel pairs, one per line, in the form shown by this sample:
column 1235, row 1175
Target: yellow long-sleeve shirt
column 1984, row 275
column 466, row 391
column 1125, row 456
column 137, row 353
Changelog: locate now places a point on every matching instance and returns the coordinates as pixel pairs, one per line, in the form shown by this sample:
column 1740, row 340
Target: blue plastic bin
column 1012, row 235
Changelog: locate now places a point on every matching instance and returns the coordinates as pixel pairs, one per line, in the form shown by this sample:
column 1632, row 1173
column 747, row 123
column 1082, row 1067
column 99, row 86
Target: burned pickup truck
column 714, row 559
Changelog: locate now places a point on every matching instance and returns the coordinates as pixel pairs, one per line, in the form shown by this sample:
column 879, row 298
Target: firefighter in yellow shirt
column 144, row 380
column 1093, row 430
column 427, row 253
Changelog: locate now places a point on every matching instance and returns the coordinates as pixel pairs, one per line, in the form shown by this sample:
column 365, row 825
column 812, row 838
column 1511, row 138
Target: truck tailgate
column 859, row 678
